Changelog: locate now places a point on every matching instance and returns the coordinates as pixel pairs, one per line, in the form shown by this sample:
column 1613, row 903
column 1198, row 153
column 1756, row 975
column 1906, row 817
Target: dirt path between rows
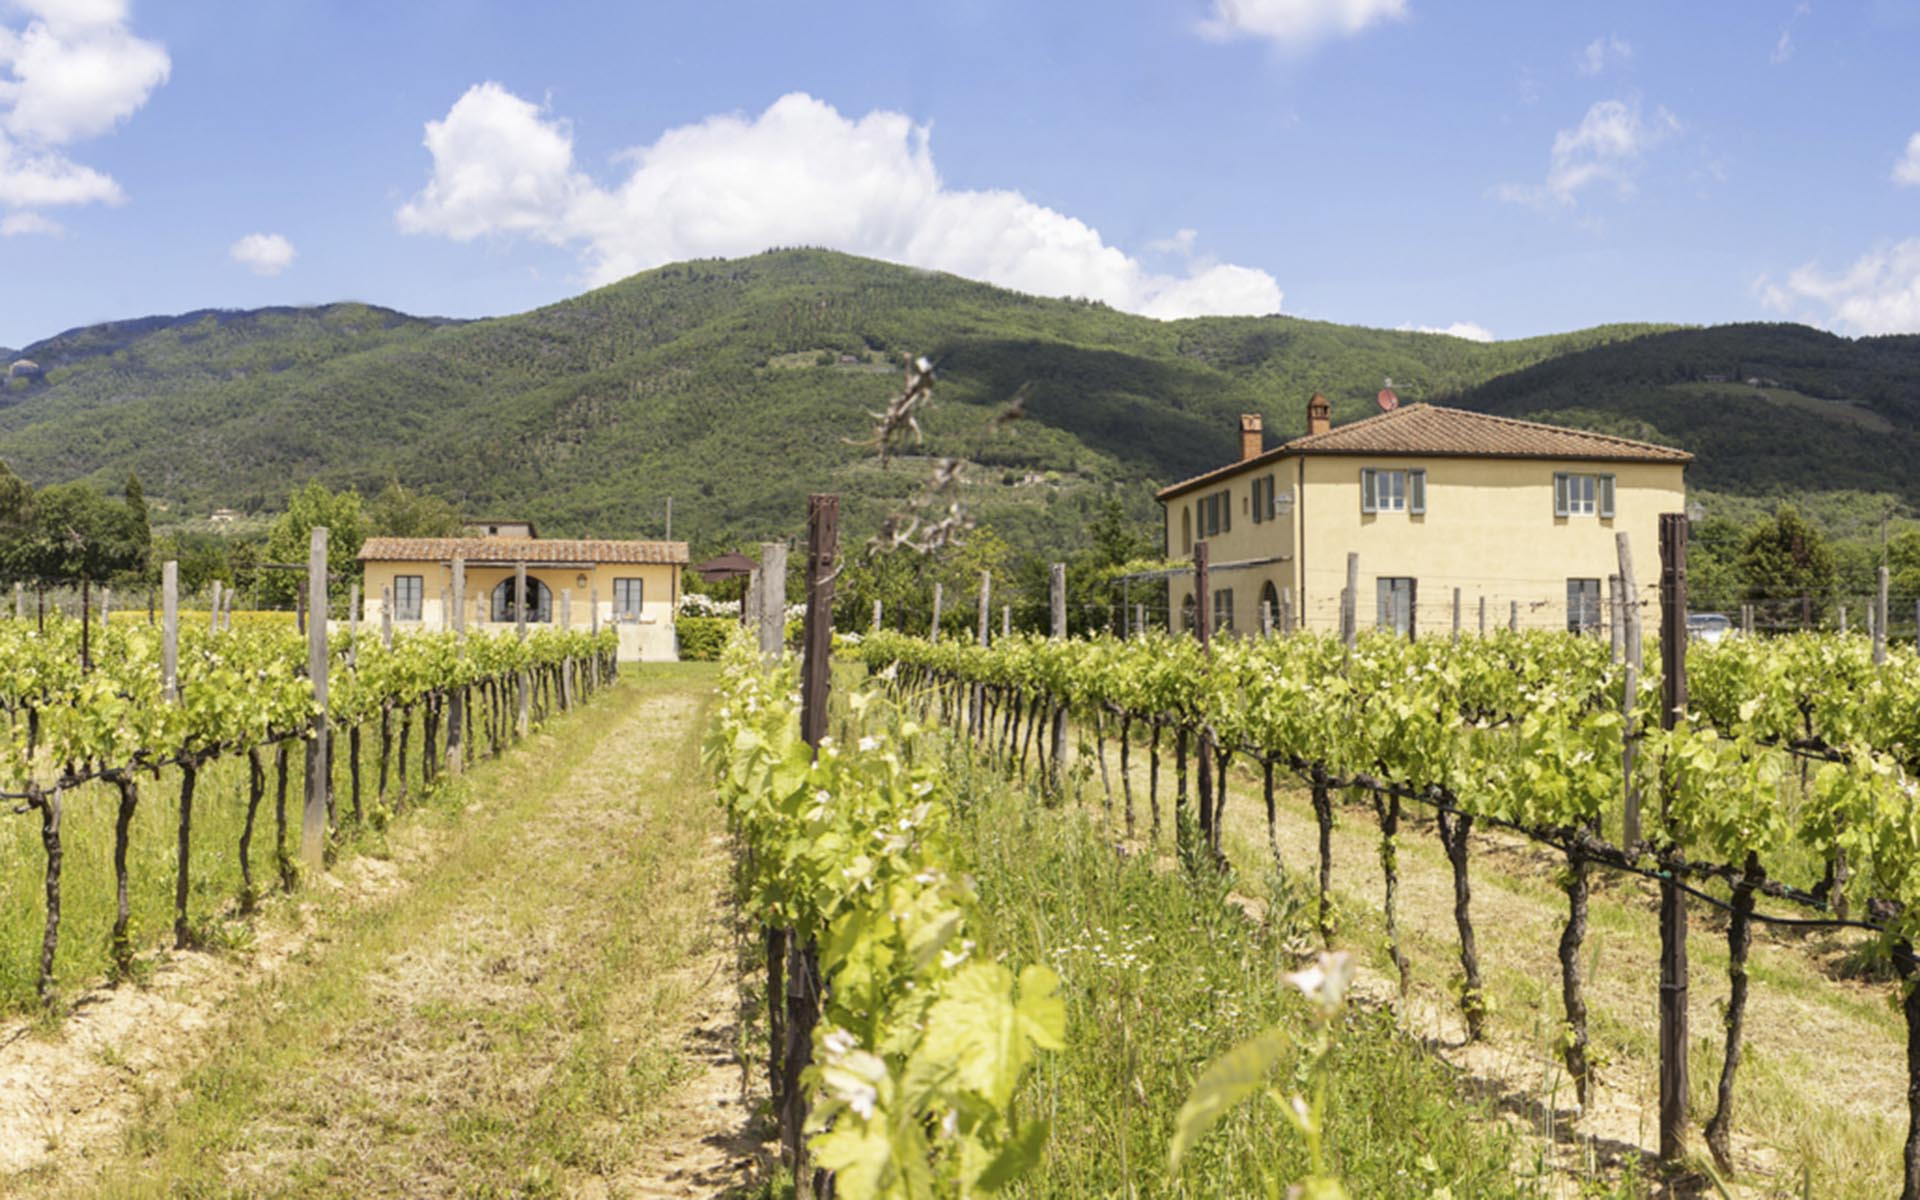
column 536, row 994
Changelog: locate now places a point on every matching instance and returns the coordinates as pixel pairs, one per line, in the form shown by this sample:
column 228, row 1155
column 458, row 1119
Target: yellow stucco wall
column 1489, row 530
column 649, row 639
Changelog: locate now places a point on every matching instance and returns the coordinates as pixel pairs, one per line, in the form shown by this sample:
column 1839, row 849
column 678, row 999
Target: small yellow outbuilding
column 634, row 586
column 1518, row 517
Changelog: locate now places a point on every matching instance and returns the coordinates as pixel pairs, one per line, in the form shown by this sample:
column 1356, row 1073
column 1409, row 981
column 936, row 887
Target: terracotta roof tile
column 1428, row 430
column 532, row 550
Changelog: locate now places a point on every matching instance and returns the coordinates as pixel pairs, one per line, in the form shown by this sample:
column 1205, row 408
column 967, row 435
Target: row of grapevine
column 1791, row 753
column 109, row 717
column 919, row 1040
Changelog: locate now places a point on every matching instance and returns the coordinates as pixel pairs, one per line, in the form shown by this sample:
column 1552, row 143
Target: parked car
column 1708, row 627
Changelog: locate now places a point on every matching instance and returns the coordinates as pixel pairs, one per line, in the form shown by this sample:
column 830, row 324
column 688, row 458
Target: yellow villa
column 1520, row 517
column 635, row 585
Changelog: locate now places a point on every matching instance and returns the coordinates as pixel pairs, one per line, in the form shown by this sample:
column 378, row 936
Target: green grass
column 500, row 1026
column 1161, row 976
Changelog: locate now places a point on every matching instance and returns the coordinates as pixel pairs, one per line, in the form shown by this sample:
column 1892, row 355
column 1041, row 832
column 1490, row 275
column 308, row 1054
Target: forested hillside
column 733, row 386
column 1768, row 410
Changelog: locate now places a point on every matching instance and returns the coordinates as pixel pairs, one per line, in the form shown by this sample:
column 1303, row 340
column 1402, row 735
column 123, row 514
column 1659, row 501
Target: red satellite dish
column 1388, row 401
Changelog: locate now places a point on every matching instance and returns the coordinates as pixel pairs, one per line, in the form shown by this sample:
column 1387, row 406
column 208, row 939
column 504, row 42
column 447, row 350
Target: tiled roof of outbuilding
column 531, row 550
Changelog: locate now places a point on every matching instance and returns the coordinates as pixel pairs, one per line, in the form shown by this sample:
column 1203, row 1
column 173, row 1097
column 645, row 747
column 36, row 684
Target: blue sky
column 1506, row 169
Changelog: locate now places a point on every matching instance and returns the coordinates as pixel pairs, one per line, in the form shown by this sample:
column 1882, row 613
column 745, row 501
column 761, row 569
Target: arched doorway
column 539, row 602
column 1270, row 599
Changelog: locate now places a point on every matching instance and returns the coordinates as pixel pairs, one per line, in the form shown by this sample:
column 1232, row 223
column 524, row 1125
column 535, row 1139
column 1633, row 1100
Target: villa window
column 1393, row 491
column 627, row 595
column 1577, row 495
column 407, row 591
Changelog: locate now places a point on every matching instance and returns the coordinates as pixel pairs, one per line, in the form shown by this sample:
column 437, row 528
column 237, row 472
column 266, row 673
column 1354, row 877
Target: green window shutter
column 1605, row 499
column 1369, row 494
column 1417, row 492
column 1559, row 493
column 1226, row 512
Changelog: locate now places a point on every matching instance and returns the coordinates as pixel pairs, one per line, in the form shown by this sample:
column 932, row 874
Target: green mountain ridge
column 738, row 386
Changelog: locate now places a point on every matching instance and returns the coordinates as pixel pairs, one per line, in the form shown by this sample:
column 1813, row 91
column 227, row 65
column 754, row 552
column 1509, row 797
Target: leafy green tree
column 139, row 526
column 76, row 533
column 287, row 541
column 16, row 522
column 399, row 511
column 1787, row 565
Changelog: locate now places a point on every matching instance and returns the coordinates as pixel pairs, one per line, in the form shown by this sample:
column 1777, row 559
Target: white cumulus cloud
column 799, row 173
column 263, row 253
column 1604, row 52
column 1469, row 330
column 1296, row 24
column 1879, row 293
column 1607, row 147
column 72, row 72
column 1906, row 172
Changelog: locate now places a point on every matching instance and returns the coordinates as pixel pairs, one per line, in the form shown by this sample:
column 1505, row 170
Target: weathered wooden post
column 1513, row 616
column 1456, row 615
column 386, row 616
column 802, row 975
column 1616, row 617
column 1483, row 616
column 1139, row 620
column 213, row 615
column 1843, row 618
column 938, row 596
column 566, row 667
column 1880, row 622
column 170, row 629
column 1203, row 633
column 353, row 618
column 1006, row 620
column 773, row 599
column 1350, row 602
column 593, row 660
column 313, row 823
column 457, row 696
column 877, row 613
column 977, row 717
column 1630, row 686
column 1287, row 623
column 750, row 604
column 523, row 708
column 1673, row 902
column 106, row 605
column 1057, row 593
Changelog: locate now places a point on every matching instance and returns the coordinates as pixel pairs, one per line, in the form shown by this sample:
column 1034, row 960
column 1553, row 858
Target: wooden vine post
column 803, row 974
column 1057, row 591
column 457, row 696
column 313, row 819
column 1880, row 622
column 1673, row 907
column 1630, row 686
column 978, row 716
column 1350, row 601
column 773, row 599
column 523, row 711
column 1203, row 633
column 1456, row 614
column 938, row 596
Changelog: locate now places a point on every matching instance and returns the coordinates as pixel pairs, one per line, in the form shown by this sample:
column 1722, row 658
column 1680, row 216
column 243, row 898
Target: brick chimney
column 1319, row 414
column 1251, row 442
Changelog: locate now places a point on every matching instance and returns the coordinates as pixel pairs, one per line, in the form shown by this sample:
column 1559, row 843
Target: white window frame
column 1583, row 494
column 1393, row 490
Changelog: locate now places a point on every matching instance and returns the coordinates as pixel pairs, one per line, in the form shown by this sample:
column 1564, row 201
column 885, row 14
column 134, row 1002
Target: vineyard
column 1779, row 795
column 100, row 718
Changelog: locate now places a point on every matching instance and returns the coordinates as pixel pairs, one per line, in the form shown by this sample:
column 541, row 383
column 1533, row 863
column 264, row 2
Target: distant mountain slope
column 1766, row 409
column 738, row 386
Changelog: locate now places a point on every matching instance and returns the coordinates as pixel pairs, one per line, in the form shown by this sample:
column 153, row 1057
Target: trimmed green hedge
column 703, row 638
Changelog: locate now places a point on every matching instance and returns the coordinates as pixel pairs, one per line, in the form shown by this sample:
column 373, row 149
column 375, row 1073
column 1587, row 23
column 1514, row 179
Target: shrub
column 702, row 638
